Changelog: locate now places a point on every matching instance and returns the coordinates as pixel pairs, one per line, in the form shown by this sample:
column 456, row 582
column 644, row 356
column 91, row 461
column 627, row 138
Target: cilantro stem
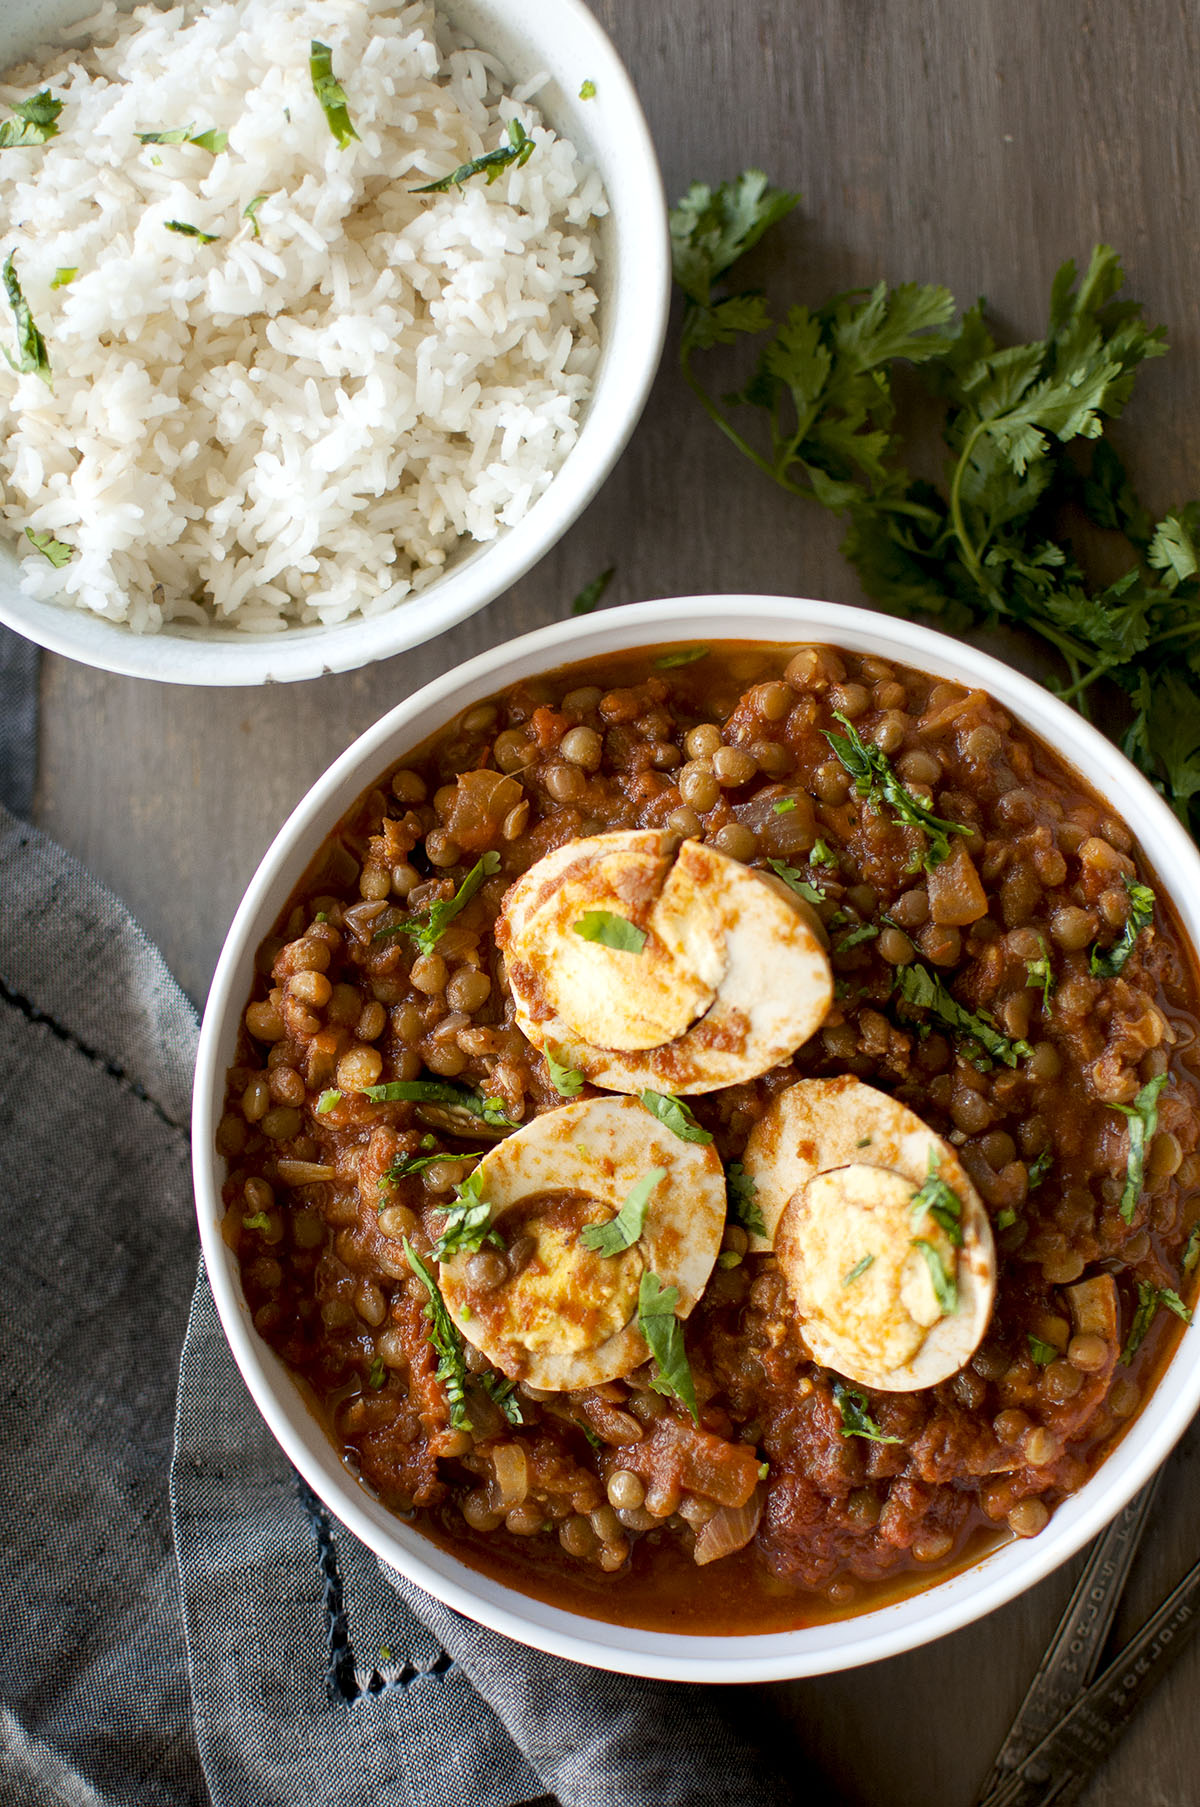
column 730, row 431
column 970, row 556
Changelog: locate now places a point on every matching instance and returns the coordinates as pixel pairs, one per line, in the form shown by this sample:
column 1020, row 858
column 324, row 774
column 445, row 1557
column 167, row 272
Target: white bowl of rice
column 323, row 319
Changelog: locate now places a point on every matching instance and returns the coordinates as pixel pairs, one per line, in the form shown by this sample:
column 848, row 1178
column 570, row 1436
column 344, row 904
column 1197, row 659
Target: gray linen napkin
column 315, row 1676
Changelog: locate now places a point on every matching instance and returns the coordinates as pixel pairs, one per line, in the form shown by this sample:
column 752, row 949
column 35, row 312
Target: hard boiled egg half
column 883, row 1240
column 548, row 1306
column 647, row 964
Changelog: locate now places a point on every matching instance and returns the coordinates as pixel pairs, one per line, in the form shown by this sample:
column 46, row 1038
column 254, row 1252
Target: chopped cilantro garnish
column 940, row 1200
column 685, row 655
column 675, row 1115
column 1149, row 1299
column 212, row 141
column 587, row 90
column 330, row 93
column 923, row 991
column 591, row 593
column 784, row 806
column 1040, row 974
column 404, row 1164
column 1107, row 962
column 611, row 930
column 428, row 928
column 327, row 1100
column 32, row 355
column 875, row 780
column 440, row 1091
column 1040, row 1167
column 64, row 276
column 856, row 1420
column 795, row 881
column 182, row 226
column 567, row 1081
column 1143, row 1121
column 250, row 212
column 1006, row 1218
column 764, row 1469
column 741, row 1194
column 468, row 1223
column 858, row 1270
column 866, row 931
column 260, row 1221
column 57, row 551
column 492, row 164
column 945, row 1286
column 445, row 1340
column 1042, row 1353
column 34, row 121
column 1191, row 1253
column 502, row 1392
column 822, row 855
column 378, row 1375
column 623, row 1230
column 664, row 1339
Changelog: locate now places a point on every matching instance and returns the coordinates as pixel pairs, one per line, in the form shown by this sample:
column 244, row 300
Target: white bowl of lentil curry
column 419, row 1115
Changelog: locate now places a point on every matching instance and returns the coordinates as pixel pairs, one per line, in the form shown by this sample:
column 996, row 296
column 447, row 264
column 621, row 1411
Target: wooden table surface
column 977, row 143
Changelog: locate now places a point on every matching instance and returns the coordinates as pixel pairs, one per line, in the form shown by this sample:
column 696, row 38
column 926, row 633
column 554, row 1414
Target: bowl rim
column 886, row 1631
column 208, row 655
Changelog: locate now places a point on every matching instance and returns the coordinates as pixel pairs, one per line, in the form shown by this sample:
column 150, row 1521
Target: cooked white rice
column 303, row 426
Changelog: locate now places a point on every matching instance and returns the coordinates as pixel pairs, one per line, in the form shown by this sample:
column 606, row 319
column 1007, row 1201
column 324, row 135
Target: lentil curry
column 1001, row 967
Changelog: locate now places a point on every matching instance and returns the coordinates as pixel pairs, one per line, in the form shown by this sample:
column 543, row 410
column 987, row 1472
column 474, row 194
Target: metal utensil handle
column 1067, row 1758
column 1074, row 1652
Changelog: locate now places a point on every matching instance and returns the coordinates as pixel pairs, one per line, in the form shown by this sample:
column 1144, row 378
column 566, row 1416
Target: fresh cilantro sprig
column 1107, row 962
column 492, row 164
column 990, row 544
column 875, row 779
column 922, row 990
column 663, row 1334
column 1143, row 1121
column 623, row 1230
column 856, row 1419
column 427, row 928
column 1150, row 1297
column 34, row 121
